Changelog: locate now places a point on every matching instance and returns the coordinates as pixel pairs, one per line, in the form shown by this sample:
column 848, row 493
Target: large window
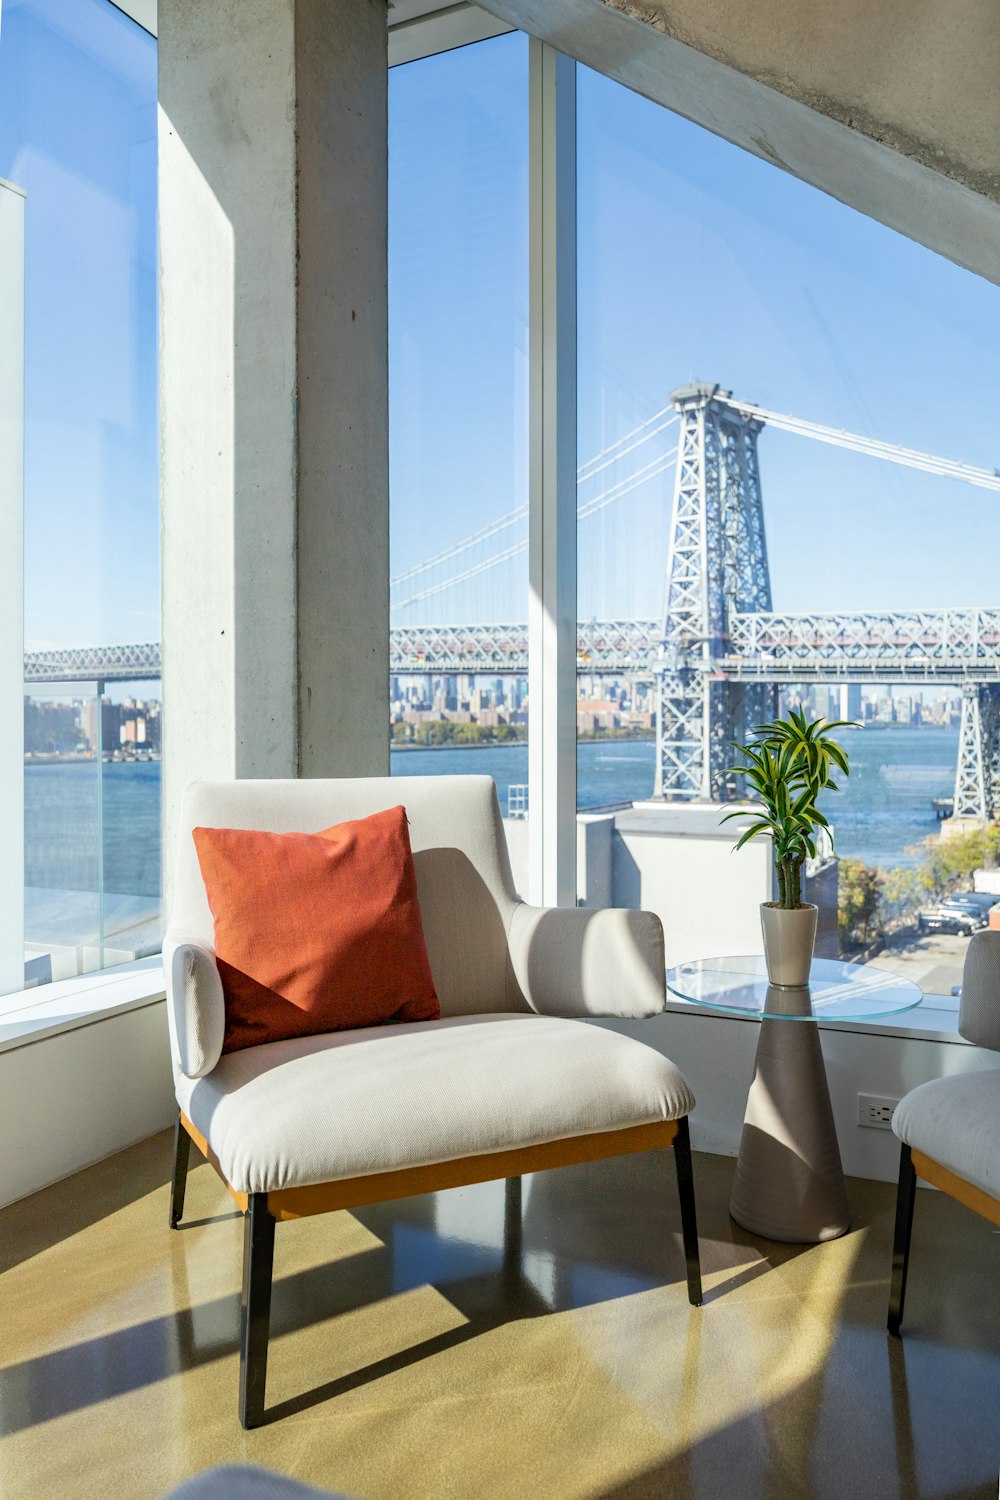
column 78, row 136
column 817, row 392
column 458, row 320
column 756, row 350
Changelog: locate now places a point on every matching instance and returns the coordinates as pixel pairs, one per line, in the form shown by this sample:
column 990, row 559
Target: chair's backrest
column 979, row 1010
column 464, row 880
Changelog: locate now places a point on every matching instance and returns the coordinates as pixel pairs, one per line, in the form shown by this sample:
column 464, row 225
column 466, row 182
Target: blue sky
column 78, row 133
column 695, row 260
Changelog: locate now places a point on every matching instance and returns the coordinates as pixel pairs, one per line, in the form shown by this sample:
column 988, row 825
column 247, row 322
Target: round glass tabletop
column 836, row 991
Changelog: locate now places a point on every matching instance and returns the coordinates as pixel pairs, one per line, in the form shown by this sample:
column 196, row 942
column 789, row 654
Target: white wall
column 595, row 882
column 11, row 588
column 594, row 871
column 73, row 1098
column 706, row 896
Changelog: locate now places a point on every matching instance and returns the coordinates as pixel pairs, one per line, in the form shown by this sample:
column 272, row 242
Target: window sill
column 32, row 1015
column 933, row 1020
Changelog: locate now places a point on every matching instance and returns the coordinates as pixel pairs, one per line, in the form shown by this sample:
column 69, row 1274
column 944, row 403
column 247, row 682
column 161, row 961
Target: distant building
column 849, row 706
column 110, row 724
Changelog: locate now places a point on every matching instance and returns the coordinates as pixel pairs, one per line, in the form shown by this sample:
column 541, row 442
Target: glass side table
column 789, row 1183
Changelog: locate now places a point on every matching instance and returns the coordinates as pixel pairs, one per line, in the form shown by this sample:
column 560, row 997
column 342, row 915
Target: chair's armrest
column 196, row 1011
column 979, row 1007
column 581, row 962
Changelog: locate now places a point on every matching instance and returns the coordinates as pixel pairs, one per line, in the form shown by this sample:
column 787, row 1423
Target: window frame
column 552, row 611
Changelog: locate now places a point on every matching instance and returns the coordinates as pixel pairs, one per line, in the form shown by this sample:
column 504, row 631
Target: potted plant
column 789, row 762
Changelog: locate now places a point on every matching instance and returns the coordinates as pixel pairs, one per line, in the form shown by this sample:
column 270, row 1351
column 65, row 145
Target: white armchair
column 507, row 1081
column 949, row 1129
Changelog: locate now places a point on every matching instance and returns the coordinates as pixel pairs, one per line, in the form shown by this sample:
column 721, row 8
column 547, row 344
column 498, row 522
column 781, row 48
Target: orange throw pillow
column 316, row 932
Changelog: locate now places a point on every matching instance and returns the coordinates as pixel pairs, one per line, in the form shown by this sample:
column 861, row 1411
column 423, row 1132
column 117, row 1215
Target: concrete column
column 11, row 588
column 273, row 389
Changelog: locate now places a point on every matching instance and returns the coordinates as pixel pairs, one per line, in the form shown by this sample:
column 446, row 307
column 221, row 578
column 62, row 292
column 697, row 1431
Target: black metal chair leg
column 905, row 1196
column 255, row 1312
column 182, row 1153
column 513, row 1228
column 689, row 1219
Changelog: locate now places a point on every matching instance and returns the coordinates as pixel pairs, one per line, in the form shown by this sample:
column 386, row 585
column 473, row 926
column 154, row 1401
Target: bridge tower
column 977, row 774
column 716, row 566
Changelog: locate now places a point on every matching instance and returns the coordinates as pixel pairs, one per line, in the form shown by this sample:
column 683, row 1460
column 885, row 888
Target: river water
column 883, row 811
column 878, row 815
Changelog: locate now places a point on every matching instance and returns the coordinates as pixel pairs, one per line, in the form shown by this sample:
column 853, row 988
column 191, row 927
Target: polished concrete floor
column 412, row 1357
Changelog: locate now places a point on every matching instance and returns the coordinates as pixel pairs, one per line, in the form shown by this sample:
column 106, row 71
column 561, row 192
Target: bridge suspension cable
column 664, row 411
column 590, row 507
column 626, row 486
column 911, row 458
column 500, row 524
column 463, row 577
column 585, row 472
column 631, row 449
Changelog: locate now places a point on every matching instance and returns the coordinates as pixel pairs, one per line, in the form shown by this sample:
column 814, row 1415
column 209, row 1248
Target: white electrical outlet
column 876, row 1111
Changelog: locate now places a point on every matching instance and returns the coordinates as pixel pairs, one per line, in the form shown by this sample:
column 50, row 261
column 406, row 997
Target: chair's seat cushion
column 322, row 1108
column 956, row 1122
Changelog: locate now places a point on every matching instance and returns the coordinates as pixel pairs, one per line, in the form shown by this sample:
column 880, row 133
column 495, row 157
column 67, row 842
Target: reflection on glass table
column 836, row 991
column 789, row 1183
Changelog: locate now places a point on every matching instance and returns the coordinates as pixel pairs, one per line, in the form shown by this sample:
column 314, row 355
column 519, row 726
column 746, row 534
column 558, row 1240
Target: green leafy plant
column 789, row 762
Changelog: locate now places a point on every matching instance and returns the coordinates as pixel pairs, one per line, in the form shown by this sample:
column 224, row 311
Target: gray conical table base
column 789, row 1183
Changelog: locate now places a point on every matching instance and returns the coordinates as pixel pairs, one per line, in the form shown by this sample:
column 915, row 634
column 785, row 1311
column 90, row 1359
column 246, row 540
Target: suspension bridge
column 720, row 651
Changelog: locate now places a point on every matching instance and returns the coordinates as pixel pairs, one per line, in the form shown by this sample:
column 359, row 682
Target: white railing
column 517, row 800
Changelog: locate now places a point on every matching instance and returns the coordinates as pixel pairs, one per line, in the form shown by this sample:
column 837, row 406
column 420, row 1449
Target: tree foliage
column 859, row 901
column 943, row 866
column 434, row 733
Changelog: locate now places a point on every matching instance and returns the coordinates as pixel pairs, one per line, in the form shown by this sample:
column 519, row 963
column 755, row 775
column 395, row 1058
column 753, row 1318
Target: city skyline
column 68, row 727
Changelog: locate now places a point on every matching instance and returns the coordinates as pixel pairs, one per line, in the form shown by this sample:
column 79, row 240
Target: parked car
column 978, row 901
column 957, row 920
column 975, row 919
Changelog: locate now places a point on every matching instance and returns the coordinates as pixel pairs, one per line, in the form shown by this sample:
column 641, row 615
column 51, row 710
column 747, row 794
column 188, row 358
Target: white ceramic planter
column 789, row 939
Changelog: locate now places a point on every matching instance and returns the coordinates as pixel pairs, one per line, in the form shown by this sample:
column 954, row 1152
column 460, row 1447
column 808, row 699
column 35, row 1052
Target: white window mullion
column 12, row 587
column 552, row 480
